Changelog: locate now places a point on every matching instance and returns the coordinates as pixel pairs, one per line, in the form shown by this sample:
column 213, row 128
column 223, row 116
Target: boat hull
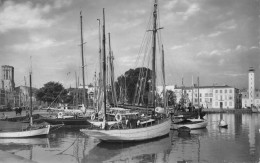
column 99, row 123
column 222, row 124
column 27, row 133
column 197, row 124
column 136, row 134
column 69, row 121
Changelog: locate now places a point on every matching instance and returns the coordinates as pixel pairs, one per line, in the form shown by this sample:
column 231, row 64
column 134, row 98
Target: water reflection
column 240, row 142
column 187, row 148
column 157, row 151
column 23, row 146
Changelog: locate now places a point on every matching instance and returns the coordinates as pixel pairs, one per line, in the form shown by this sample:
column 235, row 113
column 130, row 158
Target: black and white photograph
column 130, row 81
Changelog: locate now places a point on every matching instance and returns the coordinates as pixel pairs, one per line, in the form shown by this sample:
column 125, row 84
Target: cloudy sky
column 215, row 39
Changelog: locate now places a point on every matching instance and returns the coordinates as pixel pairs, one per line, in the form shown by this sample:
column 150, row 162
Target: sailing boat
column 148, row 129
column 30, row 131
column 192, row 123
column 222, row 123
column 75, row 119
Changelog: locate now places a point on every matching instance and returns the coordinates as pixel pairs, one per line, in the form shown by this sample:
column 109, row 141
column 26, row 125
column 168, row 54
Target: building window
column 230, row 98
column 230, row 103
column 206, row 94
column 210, row 94
column 220, row 91
column 230, row 91
column 225, row 103
column 225, row 91
column 200, row 100
column 225, row 97
column 210, row 100
column 200, row 94
column 216, row 91
column 196, row 100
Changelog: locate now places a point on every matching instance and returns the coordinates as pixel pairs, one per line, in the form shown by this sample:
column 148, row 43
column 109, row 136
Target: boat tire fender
column 60, row 115
column 93, row 116
column 118, row 117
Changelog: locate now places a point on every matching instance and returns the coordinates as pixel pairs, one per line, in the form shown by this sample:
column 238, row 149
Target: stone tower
column 251, row 86
column 7, row 78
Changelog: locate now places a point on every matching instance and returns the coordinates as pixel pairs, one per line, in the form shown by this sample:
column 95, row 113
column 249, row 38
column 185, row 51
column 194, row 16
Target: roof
column 204, row 87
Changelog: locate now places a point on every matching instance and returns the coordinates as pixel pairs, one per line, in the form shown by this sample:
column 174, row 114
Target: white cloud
column 61, row 3
column 214, row 52
column 193, row 9
column 221, row 62
column 22, row 15
column 126, row 24
column 178, row 46
column 137, row 12
column 234, row 74
column 241, row 48
column 254, row 47
column 170, row 4
column 215, row 34
column 228, row 25
column 37, row 42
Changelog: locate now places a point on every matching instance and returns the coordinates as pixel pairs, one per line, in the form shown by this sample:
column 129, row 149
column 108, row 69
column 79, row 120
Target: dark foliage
column 52, row 91
column 127, row 84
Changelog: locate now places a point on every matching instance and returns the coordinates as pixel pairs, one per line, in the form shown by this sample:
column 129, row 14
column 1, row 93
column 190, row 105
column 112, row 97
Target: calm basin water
column 240, row 142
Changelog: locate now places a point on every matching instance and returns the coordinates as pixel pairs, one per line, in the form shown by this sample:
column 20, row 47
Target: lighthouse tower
column 251, row 85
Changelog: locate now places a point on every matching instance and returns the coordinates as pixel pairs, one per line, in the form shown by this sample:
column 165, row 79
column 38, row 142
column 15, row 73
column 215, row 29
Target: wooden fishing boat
column 184, row 129
column 150, row 131
column 153, row 127
column 190, row 123
column 30, row 131
column 222, row 124
column 67, row 121
column 159, row 149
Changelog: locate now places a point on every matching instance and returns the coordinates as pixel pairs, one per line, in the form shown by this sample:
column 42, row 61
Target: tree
column 52, row 91
column 171, row 97
column 132, row 79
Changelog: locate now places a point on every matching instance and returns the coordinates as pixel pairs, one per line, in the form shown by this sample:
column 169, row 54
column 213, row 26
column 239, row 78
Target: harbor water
column 240, row 142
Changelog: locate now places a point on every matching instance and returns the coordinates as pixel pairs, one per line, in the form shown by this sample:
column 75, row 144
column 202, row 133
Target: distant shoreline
column 227, row 110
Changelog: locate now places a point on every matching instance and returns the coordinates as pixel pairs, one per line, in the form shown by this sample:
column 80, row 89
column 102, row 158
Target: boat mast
column 111, row 57
column 76, row 95
column 82, row 58
column 153, row 54
column 30, row 78
column 192, row 86
column 99, row 104
column 95, row 91
column 99, row 51
column 104, row 64
column 198, row 91
column 163, row 74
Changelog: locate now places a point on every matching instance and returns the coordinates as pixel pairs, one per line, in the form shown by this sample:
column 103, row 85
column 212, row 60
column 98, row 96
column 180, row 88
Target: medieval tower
column 7, row 78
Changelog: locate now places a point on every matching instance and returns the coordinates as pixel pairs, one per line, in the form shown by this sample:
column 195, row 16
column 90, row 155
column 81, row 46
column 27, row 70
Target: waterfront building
column 250, row 96
column 225, row 97
column 7, row 78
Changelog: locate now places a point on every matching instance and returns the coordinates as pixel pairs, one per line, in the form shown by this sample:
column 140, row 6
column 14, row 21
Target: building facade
column 7, row 78
column 251, row 96
column 251, row 86
column 213, row 97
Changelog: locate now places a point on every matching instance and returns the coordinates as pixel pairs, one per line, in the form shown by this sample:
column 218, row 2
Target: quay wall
column 227, row 110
